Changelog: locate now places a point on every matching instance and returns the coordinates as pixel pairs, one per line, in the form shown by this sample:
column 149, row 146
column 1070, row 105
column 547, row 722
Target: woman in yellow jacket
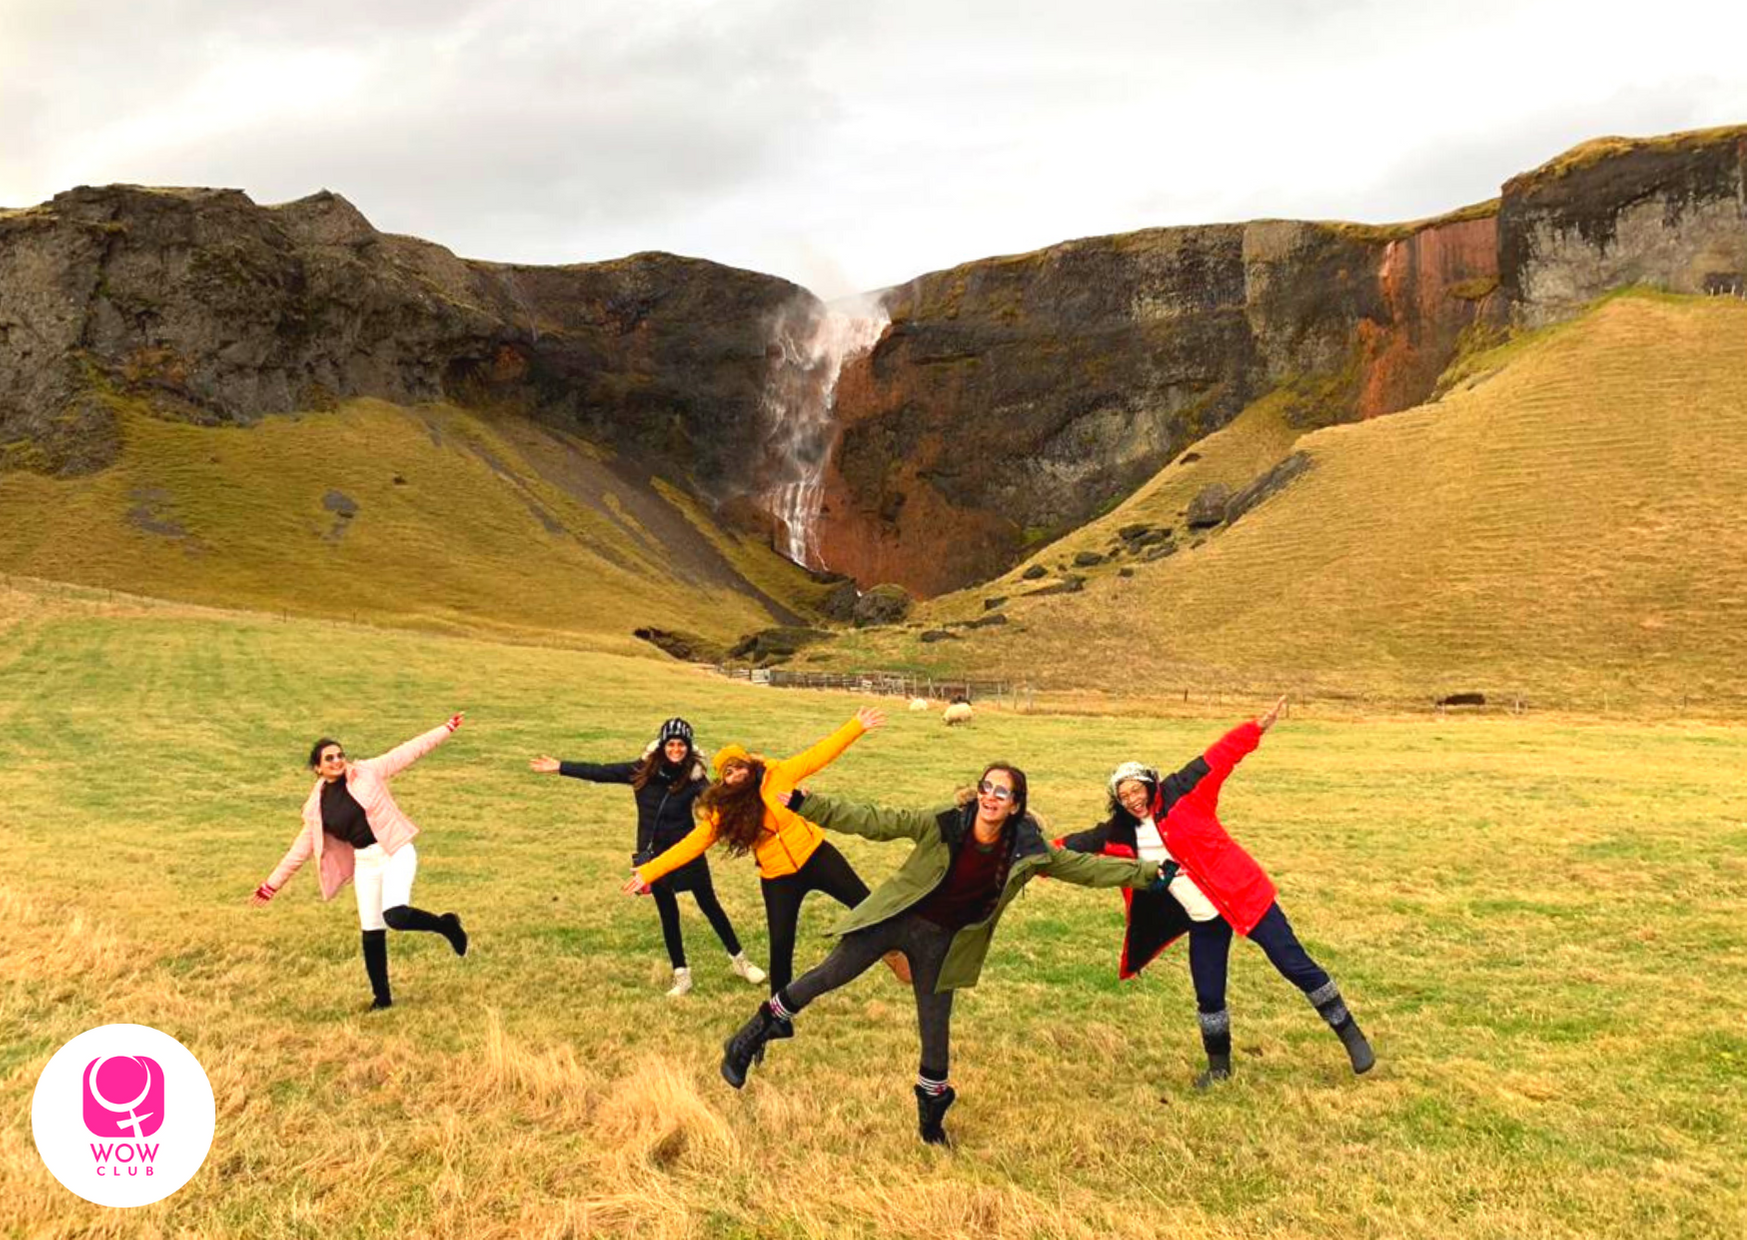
column 748, row 808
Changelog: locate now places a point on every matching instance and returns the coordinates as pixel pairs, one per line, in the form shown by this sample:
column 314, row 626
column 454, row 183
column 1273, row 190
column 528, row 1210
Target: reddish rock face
column 1435, row 284
column 1016, row 398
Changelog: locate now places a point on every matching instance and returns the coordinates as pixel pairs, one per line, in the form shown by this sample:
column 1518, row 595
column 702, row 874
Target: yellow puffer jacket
column 786, row 839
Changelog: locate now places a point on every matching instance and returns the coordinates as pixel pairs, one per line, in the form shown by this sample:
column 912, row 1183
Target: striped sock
column 931, row 1083
column 778, row 1008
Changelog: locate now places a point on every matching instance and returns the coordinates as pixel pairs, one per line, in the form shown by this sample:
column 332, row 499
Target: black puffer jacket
column 664, row 815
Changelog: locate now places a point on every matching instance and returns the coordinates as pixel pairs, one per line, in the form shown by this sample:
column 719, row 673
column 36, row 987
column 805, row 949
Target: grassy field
column 457, row 522
column 1563, row 526
column 1538, row 921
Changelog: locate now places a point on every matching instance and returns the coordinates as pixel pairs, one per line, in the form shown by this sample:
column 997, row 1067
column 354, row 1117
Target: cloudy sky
column 845, row 146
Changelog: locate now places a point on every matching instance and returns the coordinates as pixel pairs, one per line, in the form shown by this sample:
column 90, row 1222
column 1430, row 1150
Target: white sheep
column 918, row 703
column 958, row 712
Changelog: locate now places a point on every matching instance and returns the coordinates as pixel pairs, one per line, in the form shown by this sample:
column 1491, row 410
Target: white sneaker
column 746, row 969
column 682, row 984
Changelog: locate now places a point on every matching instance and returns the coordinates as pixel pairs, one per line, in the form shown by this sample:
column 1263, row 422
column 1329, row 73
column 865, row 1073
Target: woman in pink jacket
column 353, row 828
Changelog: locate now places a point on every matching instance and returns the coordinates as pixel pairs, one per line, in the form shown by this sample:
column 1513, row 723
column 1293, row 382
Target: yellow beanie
column 730, row 753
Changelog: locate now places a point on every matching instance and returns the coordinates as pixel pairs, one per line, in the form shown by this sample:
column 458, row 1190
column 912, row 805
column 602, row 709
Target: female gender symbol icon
column 133, row 1120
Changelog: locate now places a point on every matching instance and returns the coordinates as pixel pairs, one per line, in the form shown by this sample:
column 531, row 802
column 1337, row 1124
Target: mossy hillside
column 452, row 526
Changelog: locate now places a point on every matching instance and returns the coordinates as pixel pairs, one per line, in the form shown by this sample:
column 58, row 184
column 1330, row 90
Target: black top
column 664, row 816
column 342, row 817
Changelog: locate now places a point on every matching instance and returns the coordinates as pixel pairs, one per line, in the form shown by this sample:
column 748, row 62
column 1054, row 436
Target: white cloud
column 843, row 145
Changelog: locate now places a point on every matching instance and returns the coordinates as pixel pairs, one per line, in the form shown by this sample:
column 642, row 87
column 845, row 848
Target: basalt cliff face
column 1014, row 398
column 1008, row 400
column 201, row 305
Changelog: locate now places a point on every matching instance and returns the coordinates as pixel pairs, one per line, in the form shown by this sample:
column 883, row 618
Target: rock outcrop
column 199, row 304
column 1669, row 212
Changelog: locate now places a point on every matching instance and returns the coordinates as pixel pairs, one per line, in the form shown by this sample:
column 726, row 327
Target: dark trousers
column 703, row 890
column 924, row 944
column 826, row 870
column 1210, row 952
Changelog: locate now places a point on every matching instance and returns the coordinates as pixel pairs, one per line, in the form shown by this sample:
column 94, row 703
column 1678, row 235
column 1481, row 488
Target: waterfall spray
column 800, row 398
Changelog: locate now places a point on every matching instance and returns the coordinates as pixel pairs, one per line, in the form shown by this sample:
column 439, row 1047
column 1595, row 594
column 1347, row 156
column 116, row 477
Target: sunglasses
column 990, row 788
column 338, row 755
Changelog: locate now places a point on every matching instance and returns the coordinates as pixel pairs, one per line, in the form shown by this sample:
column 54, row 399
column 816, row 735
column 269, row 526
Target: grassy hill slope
column 1564, row 524
column 427, row 517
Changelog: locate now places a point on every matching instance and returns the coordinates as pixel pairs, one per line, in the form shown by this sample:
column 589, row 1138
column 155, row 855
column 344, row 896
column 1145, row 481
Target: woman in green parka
column 940, row 910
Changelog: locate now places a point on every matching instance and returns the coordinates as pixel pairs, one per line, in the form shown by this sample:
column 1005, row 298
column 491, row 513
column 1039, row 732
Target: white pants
column 382, row 882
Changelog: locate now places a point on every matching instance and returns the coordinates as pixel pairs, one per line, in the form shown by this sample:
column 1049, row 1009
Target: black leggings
column 924, row 944
column 704, row 892
column 827, row 871
column 1210, row 952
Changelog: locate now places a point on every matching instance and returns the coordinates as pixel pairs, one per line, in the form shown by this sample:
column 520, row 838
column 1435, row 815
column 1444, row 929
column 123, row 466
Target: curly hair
column 738, row 809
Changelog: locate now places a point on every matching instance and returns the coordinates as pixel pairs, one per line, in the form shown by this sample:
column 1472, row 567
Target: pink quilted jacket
column 368, row 783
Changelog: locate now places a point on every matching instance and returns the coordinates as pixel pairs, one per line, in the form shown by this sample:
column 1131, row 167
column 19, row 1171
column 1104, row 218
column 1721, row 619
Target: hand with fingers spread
column 263, row 893
column 635, row 886
column 871, row 717
column 545, row 764
column 454, row 720
column 1268, row 720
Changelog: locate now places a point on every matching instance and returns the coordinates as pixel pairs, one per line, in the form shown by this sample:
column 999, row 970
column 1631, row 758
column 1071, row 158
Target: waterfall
column 800, row 398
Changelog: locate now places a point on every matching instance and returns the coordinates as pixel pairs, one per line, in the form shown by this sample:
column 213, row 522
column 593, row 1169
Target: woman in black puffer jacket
column 667, row 780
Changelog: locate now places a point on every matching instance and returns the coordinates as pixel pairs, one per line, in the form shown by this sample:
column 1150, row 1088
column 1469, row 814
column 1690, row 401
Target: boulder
column 839, row 603
column 1087, row 559
column 1273, row 481
column 1034, row 572
column 1207, row 509
column 884, row 604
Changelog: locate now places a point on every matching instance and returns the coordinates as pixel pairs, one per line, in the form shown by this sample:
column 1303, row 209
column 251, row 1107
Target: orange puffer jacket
column 786, row 839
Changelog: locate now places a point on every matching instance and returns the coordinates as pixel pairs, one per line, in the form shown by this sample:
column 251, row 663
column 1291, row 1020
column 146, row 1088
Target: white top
column 1151, row 847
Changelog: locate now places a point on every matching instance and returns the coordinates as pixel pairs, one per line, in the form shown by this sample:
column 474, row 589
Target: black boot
column 453, row 931
column 376, row 966
column 1218, row 1069
column 746, row 1047
column 782, row 1029
column 1216, row 1041
column 931, row 1114
column 1333, row 1009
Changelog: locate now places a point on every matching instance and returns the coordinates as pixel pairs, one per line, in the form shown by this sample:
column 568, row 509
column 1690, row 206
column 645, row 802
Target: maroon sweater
column 969, row 885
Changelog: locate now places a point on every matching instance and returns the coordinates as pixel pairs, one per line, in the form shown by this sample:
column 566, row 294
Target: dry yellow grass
column 1564, row 527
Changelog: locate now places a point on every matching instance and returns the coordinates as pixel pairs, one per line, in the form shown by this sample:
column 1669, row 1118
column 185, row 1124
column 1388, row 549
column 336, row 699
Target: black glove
column 1162, row 883
column 795, row 798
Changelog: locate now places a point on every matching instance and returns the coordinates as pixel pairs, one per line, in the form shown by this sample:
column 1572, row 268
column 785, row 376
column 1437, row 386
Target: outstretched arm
column 689, row 848
column 817, row 757
column 593, row 772
column 1089, row 871
column 870, row 821
column 402, row 756
column 289, row 864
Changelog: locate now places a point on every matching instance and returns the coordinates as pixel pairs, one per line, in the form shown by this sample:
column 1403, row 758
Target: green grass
column 462, row 524
column 1538, row 922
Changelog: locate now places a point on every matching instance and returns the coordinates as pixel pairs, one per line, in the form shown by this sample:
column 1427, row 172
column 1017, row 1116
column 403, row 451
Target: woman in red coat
column 1213, row 888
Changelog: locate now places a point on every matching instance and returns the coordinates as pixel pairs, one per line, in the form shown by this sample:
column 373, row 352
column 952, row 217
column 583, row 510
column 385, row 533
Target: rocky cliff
column 1668, row 212
column 1008, row 401
column 201, row 305
column 1015, row 398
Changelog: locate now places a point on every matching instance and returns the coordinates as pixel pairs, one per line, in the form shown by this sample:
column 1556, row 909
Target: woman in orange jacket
column 748, row 808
